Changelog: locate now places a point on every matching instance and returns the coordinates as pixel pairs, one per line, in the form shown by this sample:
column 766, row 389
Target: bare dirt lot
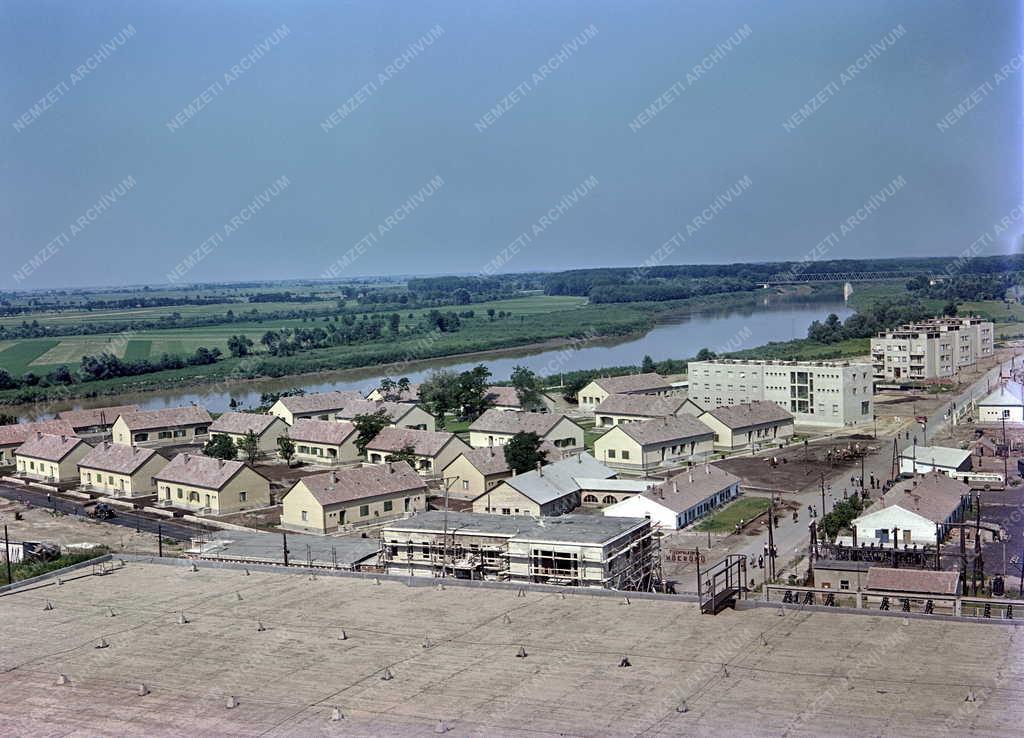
column 800, row 467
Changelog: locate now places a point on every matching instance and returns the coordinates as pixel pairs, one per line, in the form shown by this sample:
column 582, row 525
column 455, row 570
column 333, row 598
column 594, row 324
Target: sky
column 167, row 142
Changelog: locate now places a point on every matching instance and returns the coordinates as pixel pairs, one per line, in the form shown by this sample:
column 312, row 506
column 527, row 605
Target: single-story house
column 506, row 398
column 475, row 471
column 51, row 457
column 431, row 450
column 410, row 394
column 1005, row 402
column 690, row 408
column 402, row 414
column 266, row 428
column 922, row 459
column 120, row 470
column 324, row 503
column 682, row 499
column 616, row 409
column 325, row 442
column 598, row 390
column 211, row 486
column 551, row 489
column 602, row 492
column 12, row 436
column 316, row 406
column 656, row 443
column 497, row 427
column 918, row 511
column 95, row 419
column 171, row 425
column 748, row 425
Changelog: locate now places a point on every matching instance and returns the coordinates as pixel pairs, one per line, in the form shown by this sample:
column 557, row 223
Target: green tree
column 240, row 345
column 406, row 454
column 842, row 515
column 286, row 449
column 249, row 445
column 392, row 390
column 368, row 425
column 647, row 366
column 8, row 419
column 394, row 322
column 472, row 398
column 705, row 355
column 571, row 391
column 220, row 447
column 528, row 388
column 523, row 452
column 439, row 394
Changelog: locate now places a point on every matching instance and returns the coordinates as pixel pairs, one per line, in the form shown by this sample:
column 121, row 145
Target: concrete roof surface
column 575, row 527
column 939, row 455
column 556, row 480
column 119, row 458
column 811, row 679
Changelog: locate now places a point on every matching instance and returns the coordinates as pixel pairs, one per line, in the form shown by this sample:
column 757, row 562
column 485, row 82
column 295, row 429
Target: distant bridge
column 790, row 278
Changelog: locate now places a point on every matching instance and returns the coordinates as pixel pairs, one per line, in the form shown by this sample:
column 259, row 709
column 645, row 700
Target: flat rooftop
column 269, row 547
column 578, row 528
column 740, row 673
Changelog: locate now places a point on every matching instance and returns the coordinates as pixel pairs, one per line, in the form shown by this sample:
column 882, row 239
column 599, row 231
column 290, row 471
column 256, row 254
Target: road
column 174, row 529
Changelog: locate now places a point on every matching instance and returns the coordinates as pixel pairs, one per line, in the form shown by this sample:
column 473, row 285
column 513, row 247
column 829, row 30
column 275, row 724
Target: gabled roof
column 553, row 481
column 487, row 461
column 167, row 417
column 499, row 421
column 346, row 485
column 49, row 446
column 924, row 581
column 242, row 423
column 318, row 401
column 632, row 383
column 640, row 405
column 395, row 410
column 749, row 414
column 119, row 458
column 200, row 471
column 664, row 430
column 683, row 491
column 425, row 443
column 15, row 435
column 503, row 397
column 933, row 496
column 95, row 416
column 1007, row 394
column 332, row 432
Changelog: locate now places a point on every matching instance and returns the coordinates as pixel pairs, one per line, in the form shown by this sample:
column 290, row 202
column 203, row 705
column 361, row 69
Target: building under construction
column 570, row 550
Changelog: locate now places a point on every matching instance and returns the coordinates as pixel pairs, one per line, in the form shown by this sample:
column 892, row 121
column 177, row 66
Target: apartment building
column 931, row 349
column 817, row 393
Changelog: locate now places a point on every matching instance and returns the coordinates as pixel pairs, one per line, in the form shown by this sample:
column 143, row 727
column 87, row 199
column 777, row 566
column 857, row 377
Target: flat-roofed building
column 497, row 427
column 750, row 425
column 402, row 414
column 325, row 442
column 164, row 427
column 551, row 489
column 653, row 444
column 120, row 470
column 88, row 421
column 51, row 457
column 617, row 409
column 431, row 451
column 211, row 486
column 324, row 503
column 572, row 550
column 313, row 406
column 1004, row 403
column 12, row 436
column 237, row 426
column 818, row 393
column 597, row 391
column 682, row 499
column 931, row 349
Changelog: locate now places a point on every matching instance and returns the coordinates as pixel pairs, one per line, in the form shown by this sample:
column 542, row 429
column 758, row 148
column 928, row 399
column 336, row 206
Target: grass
column 725, row 520
column 29, row 569
column 138, row 350
column 17, row 358
column 995, row 310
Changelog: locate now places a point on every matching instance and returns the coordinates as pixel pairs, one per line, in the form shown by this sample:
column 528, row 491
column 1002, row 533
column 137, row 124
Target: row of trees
column 876, row 317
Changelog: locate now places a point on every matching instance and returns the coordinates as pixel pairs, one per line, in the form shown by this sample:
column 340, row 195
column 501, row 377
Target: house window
column 506, row 511
column 388, row 505
column 179, row 493
column 364, row 510
column 844, row 584
column 609, row 500
column 592, row 499
column 181, row 433
column 164, row 434
column 304, row 515
column 611, row 453
column 141, row 436
column 465, row 484
column 625, row 455
column 241, row 496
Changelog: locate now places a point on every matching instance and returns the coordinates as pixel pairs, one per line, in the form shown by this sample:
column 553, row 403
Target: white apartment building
column 817, row 393
column 931, row 349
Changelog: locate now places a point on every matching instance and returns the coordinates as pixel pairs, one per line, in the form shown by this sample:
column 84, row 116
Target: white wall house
column 682, row 499
column 1005, row 402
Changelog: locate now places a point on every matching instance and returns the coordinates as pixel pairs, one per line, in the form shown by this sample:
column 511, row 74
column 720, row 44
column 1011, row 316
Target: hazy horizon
column 165, row 144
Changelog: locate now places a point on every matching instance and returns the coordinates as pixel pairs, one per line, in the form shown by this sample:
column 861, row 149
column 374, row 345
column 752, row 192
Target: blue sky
column 569, row 123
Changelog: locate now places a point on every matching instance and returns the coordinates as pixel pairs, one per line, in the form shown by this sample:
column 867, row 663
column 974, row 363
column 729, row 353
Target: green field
column 19, row 355
column 725, row 520
column 995, row 310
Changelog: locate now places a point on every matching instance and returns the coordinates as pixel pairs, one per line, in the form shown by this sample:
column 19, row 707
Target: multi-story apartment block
column 818, row 393
column 931, row 349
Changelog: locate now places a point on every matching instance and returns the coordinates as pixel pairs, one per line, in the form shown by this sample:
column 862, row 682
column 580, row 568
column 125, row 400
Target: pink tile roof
column 923, row 581
column 242, row 423
column 347, row 485
column 199, row 471
column 119, row 458
column 15, row 435
column 426, row 443
column 95, row 416
column 168, row 417
column 49, row 446
column 332, row 432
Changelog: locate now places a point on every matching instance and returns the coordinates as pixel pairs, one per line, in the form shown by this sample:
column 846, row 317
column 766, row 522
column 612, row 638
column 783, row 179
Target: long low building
column 498, row 427
column 574, row 550
column 750, row 425
column 266, row 429
column 550, row 489
column 681, row 499
column 164, row 427
column 327, row 442
column 95, row 419
column 923, row 459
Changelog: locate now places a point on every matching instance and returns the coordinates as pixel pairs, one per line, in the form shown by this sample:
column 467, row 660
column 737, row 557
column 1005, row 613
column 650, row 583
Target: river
column 731, row 329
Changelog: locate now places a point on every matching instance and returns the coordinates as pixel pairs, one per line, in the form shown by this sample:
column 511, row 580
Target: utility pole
column 160, row 540
column 7, row 556
column 979, row 570
column 1006, row 454
column 284, row 546
column 771, row 538
column 446, row 482
column 823, row 495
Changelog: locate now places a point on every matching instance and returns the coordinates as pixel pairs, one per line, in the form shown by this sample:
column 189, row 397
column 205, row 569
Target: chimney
column 187, row 457
column 220, row 462
column 540, row 471
column 675, row 487
column 39, row 434
column 63, row 438
column 391, row 468
column 334, row 477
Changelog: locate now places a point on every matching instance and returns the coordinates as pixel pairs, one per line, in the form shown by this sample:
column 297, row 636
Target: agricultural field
column 997, row 311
